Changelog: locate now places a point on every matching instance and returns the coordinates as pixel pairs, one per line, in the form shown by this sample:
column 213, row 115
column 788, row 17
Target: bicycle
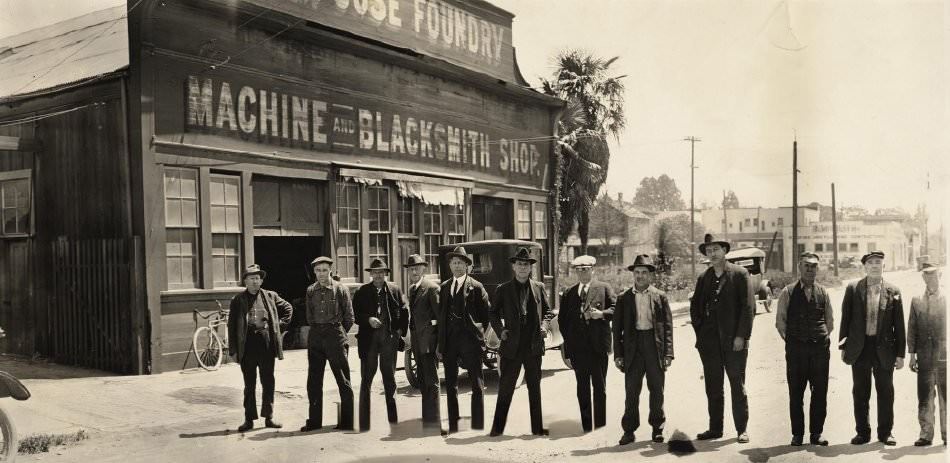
column 209, row 346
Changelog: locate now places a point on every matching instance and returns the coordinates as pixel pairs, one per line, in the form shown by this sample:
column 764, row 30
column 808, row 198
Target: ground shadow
column 486, row 438
column 565, row 428
column 219, row 433
column 278, row 434
column 612, row 449
column 411, row 429
column 27, row 368
column 893, row 453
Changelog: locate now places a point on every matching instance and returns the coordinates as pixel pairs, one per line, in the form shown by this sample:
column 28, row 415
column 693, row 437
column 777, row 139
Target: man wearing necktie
column 424, row 326
column 927, row 345
column 872, row 341
column 586, row 310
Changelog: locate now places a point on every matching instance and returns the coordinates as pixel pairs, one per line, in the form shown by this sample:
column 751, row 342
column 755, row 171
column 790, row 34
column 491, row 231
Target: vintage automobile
column 490, row 266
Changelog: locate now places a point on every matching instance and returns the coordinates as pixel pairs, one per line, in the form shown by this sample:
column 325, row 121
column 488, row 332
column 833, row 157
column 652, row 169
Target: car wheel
column 411, row 367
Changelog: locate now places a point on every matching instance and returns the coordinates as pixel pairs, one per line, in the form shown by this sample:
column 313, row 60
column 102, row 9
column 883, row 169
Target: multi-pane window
column 524, row 220
column 853, row 247
column 432, row 233
column 781, row 221
column 819, row 247
column 377, row 212
column 225, row 229
column 15, row 205
column 181, row 222
column 348, row 221
column 405, row 215
column 455, row 224
column 842, row 247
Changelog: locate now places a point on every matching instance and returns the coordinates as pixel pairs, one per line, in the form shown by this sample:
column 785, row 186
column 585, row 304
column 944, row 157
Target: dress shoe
column 309, row 427
column 888, row 440
column 271, row 423
column 859, row 439
column 658, row 435
column 816, row 439
column 627, row 438
column 922, row 442
column 743, row 438
column 542, row 432
column 247, row 426
column 706, row 435
column 797, row 440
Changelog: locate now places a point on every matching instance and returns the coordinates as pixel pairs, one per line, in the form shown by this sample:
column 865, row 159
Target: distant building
column 895, row 235
column 631, row 233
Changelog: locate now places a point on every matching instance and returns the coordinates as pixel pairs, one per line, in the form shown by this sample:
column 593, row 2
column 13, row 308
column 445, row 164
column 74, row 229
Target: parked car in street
column 752, row 260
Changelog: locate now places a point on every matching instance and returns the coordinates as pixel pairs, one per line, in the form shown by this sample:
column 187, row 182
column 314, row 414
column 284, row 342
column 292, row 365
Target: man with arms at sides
column 424, row 326
column 927, row 345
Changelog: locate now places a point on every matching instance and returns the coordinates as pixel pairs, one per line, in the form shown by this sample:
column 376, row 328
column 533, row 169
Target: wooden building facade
column 258, row 132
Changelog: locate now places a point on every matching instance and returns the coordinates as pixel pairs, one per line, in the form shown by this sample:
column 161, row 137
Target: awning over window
column 432, row 194
column 363, row 180
column 429, row 190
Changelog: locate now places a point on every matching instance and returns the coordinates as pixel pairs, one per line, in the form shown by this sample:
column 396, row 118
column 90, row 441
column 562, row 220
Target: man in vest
column 872, row 341
column 927, row 344
column 382, row 316
column 463, row 316
column 804, row 319
column 424, row 326
column 584, row 319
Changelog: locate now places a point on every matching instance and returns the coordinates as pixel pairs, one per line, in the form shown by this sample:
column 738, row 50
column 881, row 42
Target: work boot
column 271, row 423
column 627, row 438
column 658, row 435
column 859, row 439
column 743, row 438
column 888, row 440
column 797, row 440
column 816, row 439
column 922, row 442
column 706, row 435
column 247, row 426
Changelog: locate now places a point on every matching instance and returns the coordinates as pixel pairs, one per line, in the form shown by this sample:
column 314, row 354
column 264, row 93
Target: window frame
column 12, row 176
column 197, row 254
column 237, row 235
column 357, row 233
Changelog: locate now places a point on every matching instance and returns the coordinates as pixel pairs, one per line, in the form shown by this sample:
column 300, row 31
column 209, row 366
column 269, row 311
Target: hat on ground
column 809, row 258
column 321, row 260
column 253, row 269
column 523, row 255
column 642, row 260
column 415, row 260
column 377, row 264
column 927, row 267
column 878, row 254
column 584, row 261
column 708, row 239
column 459, row 252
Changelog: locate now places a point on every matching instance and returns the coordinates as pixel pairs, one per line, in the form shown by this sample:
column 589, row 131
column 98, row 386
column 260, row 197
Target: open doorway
column 287, row 262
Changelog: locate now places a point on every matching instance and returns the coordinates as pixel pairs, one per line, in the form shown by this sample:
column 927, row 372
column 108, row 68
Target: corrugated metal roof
column 65, row 52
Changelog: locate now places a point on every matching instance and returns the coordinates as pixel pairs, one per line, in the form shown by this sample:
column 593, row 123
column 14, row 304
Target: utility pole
column 725, row 220
column 692, row 206
column 795, row 204
column 834, row 228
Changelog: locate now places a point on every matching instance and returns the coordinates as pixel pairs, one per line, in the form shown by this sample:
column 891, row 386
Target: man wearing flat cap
column 463, row 316
column 804, row 319
column 383, row 318
column 423, row 326
column 330, row 316
column 721, row 313
column 256, row 320
column 872, row 341
column 643, row 346
column 927, row 345
column 584, row 319
column 521, row 315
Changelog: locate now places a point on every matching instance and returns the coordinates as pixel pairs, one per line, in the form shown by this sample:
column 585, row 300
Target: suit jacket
column 424, row 308
column 927, row 330
column 277, row 309
column 506, row 314
column 890, row 322
column 735, row 310
column 475, row 299
column 586, row 335
column 625, row 326
column 364, row 307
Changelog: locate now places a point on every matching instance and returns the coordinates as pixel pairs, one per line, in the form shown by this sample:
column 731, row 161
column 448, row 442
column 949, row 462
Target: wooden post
column 834, row 228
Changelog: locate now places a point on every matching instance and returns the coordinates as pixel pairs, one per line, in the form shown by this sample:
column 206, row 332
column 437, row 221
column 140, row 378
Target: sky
column 859, row 83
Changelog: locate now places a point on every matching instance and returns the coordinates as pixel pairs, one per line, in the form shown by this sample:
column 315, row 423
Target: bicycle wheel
column 8, row 447
column 208, row 348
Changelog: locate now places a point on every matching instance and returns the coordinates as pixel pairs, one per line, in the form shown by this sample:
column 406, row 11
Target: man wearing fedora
column 463, row 316
column 382, row 317
column 927, row 345
column 424, row 326
column 872, row 341
column 330, row 316
column 256, row 320
column 804, row 319
column 520, row 316
column 643, row 346
column 586, row 310
column 721, row 313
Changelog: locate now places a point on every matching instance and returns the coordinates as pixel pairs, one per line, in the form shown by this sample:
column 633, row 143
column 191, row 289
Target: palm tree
column 594, row 111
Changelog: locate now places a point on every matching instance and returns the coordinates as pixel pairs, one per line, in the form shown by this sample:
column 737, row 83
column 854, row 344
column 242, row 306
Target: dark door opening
column 287, row 262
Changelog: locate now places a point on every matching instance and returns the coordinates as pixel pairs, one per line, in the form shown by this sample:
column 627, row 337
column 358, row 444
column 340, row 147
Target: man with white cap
column 586, row 310
column 927, row 345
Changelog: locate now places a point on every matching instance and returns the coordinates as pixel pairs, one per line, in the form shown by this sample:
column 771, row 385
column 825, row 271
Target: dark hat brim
column 450, row 255
column 724, row 244
column 262, row 273
column 370, row 269
column 649, row 266
column 522, row 259
column 417, row 264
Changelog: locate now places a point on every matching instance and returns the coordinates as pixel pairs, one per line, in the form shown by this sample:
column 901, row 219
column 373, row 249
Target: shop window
column 181, row 222
column 541, row 226
column 842, row 247
column 377, row 212
column 819, row 247
column 405, row 215
column 15, row 203
column 455, row 224
column 348, row 222
column 853, row 247
column 524, row 220
column 432, row 233
column 225, row 229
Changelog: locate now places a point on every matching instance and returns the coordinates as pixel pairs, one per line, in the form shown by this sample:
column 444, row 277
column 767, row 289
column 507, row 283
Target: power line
column 31, row 119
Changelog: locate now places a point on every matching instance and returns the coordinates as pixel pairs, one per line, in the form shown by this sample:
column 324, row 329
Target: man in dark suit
column 927, row 345
column 463, row 316
column 256, row 320
column 382, row 317
column 586, row 310
column 872, row 341
column 721, row 313
column 424, row 326
column 520, row 315
column 643, row 346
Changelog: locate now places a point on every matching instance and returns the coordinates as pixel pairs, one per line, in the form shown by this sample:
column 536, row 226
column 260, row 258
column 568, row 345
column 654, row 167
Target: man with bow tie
column 586, row 310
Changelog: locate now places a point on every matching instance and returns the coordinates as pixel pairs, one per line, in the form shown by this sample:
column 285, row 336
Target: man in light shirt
column 927, row 345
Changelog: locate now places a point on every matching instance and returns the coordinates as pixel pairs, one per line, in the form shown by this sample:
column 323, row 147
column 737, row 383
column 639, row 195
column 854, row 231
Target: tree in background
column 608, row 222
column 672, row 236
column 658, row 194
column 730, row 200
column 594, row 111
